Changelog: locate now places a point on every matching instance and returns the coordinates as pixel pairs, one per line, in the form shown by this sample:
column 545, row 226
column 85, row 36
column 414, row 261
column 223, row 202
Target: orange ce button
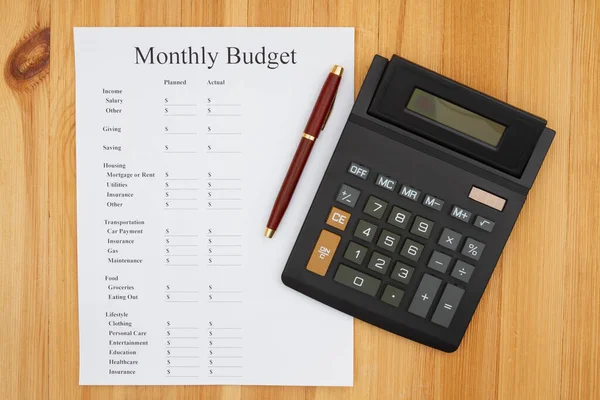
column 338, row 218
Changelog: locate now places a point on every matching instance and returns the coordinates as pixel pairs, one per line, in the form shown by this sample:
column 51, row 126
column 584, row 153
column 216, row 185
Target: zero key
column 323, row 252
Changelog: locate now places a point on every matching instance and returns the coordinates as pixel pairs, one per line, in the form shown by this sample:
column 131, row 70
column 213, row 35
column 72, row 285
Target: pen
column 315, row 124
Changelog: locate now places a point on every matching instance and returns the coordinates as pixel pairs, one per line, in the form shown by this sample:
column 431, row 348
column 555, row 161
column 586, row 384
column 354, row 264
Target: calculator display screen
column 455, row 117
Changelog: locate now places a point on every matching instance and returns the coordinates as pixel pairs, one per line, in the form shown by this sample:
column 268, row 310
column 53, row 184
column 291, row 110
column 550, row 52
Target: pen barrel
column 323, row 105
column 289, row 183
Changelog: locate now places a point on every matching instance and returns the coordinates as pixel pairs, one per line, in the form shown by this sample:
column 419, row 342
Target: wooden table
column 536, row 332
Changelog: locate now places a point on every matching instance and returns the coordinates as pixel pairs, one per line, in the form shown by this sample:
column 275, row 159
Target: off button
column 323, row 253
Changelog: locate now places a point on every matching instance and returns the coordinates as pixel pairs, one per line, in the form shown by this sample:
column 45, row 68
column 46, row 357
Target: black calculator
column 417, row 203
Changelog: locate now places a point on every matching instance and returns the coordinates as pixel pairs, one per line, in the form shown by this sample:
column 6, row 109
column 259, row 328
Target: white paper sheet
column 182, row 145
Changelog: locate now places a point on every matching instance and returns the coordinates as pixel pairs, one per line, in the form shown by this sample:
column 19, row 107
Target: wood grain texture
column 536, row 332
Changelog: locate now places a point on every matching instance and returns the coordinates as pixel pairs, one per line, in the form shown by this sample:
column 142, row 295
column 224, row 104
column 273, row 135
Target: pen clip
column 329, row 112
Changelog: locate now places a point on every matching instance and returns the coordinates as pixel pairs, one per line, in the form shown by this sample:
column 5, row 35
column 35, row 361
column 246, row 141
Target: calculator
column 417, row 203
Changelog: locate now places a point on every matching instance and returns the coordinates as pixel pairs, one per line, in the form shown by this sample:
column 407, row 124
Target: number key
column 399, row 217
column 402, row 272
column 388, row 240
column 379, row 263
column 422, row 227
column 411, row 250
column 365, row 230
column 355, row 253
column 375, row 207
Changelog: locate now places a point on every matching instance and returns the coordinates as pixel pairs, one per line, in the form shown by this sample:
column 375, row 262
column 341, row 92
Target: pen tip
column 337, row 70
column 269, row 233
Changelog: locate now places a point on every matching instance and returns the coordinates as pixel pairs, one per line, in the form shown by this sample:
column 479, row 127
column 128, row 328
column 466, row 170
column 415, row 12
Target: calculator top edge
column 361, row 116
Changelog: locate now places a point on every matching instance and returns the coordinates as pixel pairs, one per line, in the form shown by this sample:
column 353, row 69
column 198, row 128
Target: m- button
column 323, row 252
column 338, row 218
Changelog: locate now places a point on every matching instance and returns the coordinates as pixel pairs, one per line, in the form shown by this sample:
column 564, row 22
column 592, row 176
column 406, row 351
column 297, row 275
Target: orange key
column 323, row 252
column 338, row 218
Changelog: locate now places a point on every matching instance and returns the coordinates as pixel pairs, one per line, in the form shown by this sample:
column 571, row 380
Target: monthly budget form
column 183, row 137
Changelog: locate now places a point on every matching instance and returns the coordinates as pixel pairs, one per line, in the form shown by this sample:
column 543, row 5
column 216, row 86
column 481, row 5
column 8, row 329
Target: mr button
column 323, row 253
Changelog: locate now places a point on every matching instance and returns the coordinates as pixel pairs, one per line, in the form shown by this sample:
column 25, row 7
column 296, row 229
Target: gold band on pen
column 337, row 70
column 269, row 233
column 309, row 137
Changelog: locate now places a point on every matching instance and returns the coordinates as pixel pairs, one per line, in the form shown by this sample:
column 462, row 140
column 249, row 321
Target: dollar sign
column 166, row 147
column 166, row 129
column 168, row 297
column 210, row 371
column 167, row 204
column 210, row 298
column 210, row 260
column 210, row 362
column 166, row 174
column 210, row 352
column 168, row 352
column 168, row 372
column 209, row 204
column 210, row 250
column 168, row 362
column 168, row 342
column 166, row 99
column 167, row 241
column 209, row 231
column 166, row 110
column 208, row 110
column 209, row 184
column 168, row 333
column 210, row 343
column 209, row 241
column 210, row 288
column 167, row 231
column 167, row 260
column 210, row 174
column 210, row 333
column 168, row 322
column 209, row 100
column 209, row 128
column 166, row 184
column 209, row 147
column 168, row 288
column 209, row 194
column 167, row 250
column 166, row 194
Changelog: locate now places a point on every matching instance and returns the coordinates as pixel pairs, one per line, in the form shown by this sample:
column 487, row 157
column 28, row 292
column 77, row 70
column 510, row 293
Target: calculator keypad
column 422, row 227
column 449, row 239
column 388, row 241
column 357, row 280
column 348, row 195
column 392, row 295
column 392, row 242
column 379, row 263
column 412, row 250
column 365, row 230
column 433, row 202
column 439, row 261
column 375, row 207
column 355, row 253
column 402, row 273
column 399, row 217
column 424, row 296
